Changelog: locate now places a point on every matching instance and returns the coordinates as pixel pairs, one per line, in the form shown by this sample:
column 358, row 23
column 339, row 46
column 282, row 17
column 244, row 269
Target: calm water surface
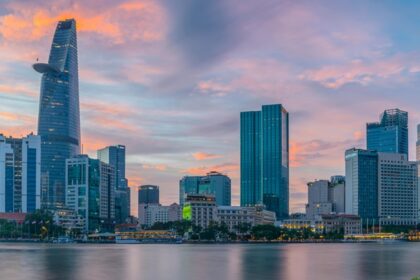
column 205, row 262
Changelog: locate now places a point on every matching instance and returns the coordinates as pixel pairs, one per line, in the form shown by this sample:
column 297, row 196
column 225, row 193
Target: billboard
column 187, row 212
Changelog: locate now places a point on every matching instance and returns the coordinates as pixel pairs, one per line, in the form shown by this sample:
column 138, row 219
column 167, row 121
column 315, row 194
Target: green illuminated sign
column 187, row 212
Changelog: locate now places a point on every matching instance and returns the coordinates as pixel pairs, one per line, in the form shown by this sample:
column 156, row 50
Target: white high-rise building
column 325, row 197
column 20, row 174
column 397, row 190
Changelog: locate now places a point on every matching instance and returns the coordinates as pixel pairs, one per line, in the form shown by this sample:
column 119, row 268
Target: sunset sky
column 168, row 78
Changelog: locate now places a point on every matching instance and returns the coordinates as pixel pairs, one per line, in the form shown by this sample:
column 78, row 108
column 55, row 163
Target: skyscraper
column 397, row 190
column 418, row 144
column 115, row 156
column 265, row 159
column 390, row 134
column 59, row 118
column 188, row 185
column 148, row 194
column 90, row 191
column 20, row 174
column 325, row 197
column 214, row 183
column 418, row 167
column 251, row 184
column 6, row 176
column 362, row 184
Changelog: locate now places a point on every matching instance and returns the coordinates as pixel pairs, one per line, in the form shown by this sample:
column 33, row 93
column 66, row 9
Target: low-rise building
column 342, row 223
column 201, row 210
column 233, row 216
column 156, row 213
column 18, row 218
column 314, row 225
column 68, row 219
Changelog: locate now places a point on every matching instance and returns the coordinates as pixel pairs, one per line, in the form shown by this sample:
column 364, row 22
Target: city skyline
column 140, row 51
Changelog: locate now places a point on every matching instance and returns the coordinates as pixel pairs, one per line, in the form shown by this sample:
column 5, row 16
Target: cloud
column 159, row 167
column 202, row 170
column 318, row 152
column 212, row 87
column 205, row 156
column 128, row 21
column 202, row 31
column 362, row 72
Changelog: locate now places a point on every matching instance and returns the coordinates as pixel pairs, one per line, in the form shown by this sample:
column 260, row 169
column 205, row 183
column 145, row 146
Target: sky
column 169, row 79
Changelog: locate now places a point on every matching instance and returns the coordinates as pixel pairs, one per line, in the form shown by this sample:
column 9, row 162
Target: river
column 205, row 262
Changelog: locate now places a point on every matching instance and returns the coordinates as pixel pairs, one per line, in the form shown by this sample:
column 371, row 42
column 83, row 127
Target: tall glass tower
column 362, row 184
column 265, row 159
column 59, row 118
column 390, row 134
column 115, row 156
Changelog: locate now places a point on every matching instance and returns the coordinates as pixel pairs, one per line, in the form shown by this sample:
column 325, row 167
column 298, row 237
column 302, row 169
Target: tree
column 40, row 224
column 243, row 229
column 265, row 232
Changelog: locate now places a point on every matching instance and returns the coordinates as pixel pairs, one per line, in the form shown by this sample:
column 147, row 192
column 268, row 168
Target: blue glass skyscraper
column 390, row 134
column 148, row 194
column 59, row 118
column 115, row 156
column 265, row 159
column 251, row 187
column 362, row 184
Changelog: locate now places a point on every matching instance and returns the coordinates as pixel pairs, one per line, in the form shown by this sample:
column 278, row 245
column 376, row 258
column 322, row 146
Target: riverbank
column 346, row 241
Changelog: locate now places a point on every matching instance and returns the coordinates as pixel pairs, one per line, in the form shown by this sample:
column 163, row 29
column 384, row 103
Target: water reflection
column 208, row 262
column 262, row 261
column 59, row 264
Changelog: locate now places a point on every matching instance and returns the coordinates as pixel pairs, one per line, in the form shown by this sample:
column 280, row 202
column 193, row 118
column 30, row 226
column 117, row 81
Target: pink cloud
column 359, row 71
column 204, row 156
column 210, row 86
column 159, row 167
column 124, row 22
column 202, row 170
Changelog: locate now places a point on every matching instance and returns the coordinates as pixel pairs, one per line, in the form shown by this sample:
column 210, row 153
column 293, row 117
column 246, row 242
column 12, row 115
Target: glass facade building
column 265, row 159
column 390, row 134
column 251, row 185
column 188, row 185
column 418, row 167
column 59, row 117
column 214, row 184
column 115, row 156
column 362, row 184
column 90, row 192
column 148, row 194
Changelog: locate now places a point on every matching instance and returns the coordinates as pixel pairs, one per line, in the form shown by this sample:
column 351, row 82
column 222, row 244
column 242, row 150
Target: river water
column 205, row 262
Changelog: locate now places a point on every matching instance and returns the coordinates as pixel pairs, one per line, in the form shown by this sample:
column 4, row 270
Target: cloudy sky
column 169, row 78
